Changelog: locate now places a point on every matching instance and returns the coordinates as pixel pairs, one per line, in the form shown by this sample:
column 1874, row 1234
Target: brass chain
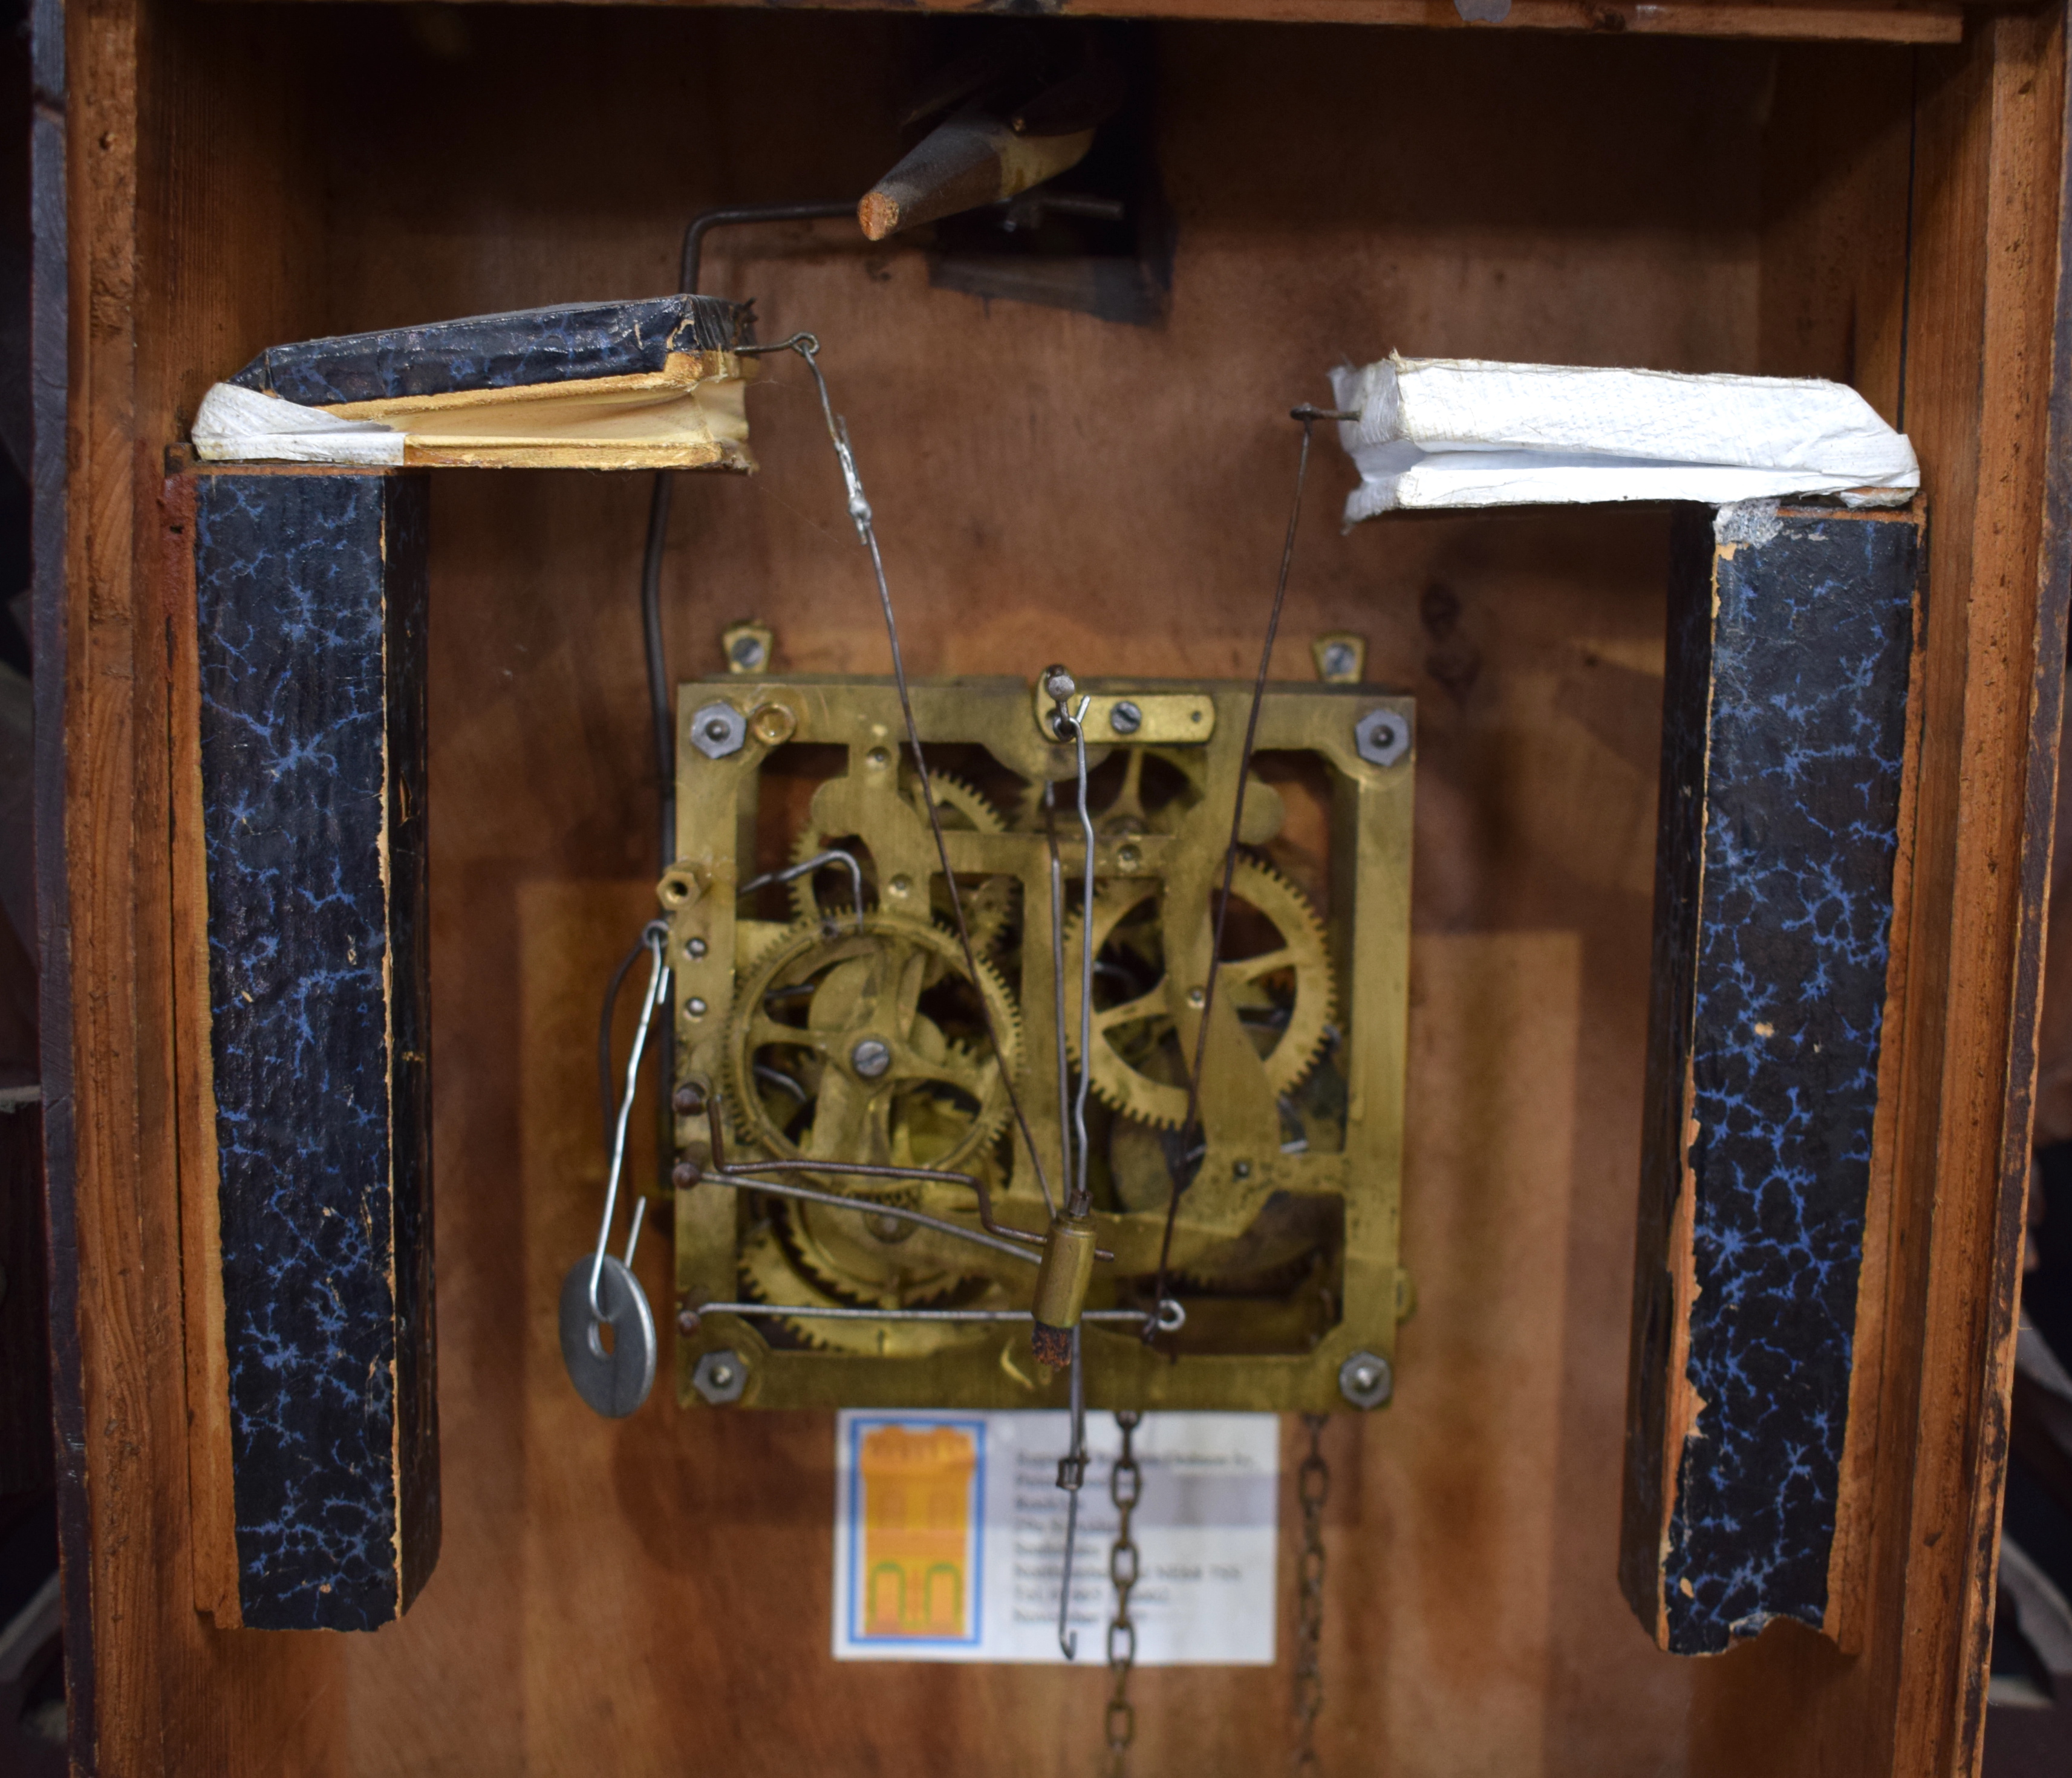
column 1125, row 1483
column 1312, row 1487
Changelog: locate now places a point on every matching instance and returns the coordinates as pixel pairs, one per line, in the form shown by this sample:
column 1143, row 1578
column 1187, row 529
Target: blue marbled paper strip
column 310, row 597
column 1811, row 652
column 573, row 342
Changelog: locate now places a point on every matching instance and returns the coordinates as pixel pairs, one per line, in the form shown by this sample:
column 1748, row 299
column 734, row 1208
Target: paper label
column 949, row 1533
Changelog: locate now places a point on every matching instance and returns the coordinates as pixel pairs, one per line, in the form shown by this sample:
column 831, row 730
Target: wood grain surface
column 1864, row 20
column 652, row 1596
column 1984, row 317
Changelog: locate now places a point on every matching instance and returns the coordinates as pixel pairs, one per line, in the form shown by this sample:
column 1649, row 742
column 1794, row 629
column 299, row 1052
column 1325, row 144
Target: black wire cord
column 688, row 266
column 1180, row 1157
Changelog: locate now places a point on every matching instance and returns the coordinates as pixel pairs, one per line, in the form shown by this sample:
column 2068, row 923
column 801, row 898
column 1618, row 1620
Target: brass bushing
column 1061, row 1288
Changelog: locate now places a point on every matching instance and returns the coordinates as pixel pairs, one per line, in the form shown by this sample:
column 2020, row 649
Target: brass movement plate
column 840, row 1038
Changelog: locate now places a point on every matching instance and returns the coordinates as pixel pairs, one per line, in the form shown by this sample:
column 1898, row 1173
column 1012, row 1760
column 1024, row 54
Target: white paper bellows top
column 1459, row 432
column 236, row 425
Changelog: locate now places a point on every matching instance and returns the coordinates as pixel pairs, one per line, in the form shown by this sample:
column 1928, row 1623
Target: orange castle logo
column 917, row 1512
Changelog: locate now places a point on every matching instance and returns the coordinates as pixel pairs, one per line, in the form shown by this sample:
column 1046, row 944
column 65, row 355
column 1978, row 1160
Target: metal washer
column 617, row 1381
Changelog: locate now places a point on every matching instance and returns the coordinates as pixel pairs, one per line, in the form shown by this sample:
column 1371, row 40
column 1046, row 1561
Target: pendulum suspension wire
column 1177, row 1154
column 808, row 348
column 1058, row 982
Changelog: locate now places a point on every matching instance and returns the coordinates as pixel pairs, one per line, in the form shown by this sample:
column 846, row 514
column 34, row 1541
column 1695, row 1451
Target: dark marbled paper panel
column 1811, row 647
column 309, row 592
column 570, row 343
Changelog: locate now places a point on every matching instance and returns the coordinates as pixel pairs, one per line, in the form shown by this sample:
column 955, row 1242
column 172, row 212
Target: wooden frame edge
column 1849, row 1557
column 210, row 1481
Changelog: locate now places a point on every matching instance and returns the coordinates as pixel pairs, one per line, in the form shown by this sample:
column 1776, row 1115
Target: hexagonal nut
column 1366, row 1381
column 718, row 729
column 1382, row 737
column 678, row 888
column 720, row 1376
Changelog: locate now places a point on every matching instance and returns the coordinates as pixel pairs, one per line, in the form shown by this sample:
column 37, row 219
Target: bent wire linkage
column 655, row 935
column 747, row 1174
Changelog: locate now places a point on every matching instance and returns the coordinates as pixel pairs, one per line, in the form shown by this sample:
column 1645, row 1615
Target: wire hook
column 656, row 936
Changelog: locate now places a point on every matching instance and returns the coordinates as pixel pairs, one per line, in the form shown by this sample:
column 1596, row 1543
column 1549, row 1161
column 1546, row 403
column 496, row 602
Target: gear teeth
column 952, row 794
column 1163, row 1105
column 779, row 1269
column 796, row 948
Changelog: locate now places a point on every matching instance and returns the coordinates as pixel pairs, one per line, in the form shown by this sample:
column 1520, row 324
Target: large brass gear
column 782, row 1263
column 1138, row 1067
column 1125, row 815
column 963, row 807
column 874, row 1075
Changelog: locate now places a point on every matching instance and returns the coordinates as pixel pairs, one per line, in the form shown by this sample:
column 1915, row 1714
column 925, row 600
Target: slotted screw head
column 1125, row 718
column 870, row 1057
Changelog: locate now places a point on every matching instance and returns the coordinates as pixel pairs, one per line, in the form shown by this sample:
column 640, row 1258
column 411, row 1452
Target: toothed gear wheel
column 779, row 1265
column 837, row 1048
column 964, row 808
column 1140, row 1066
column 1186, row 770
